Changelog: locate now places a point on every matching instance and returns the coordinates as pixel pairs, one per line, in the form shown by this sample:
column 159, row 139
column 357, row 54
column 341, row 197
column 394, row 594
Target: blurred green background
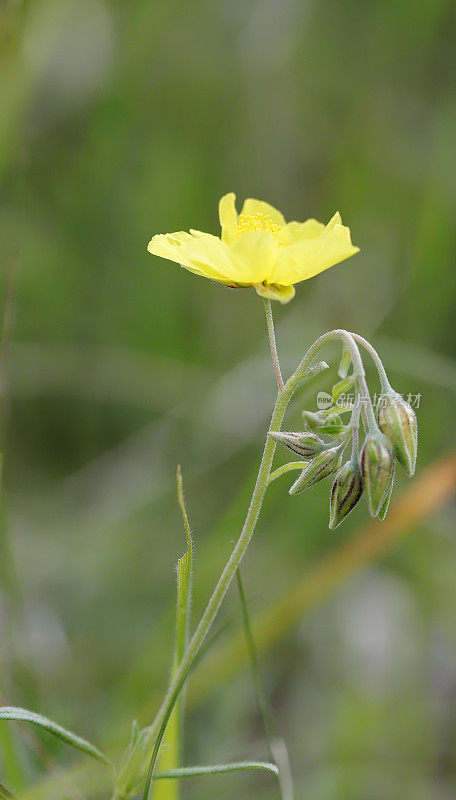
column 120, row 120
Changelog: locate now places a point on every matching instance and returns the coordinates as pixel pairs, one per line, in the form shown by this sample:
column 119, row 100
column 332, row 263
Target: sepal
column 320, row 467
column 376, row 467
column 397, row 420
column 304, row 444
column 345, row 493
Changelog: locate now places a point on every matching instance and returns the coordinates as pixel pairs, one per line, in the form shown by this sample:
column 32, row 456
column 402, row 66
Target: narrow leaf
column 334, row 411
column 333, row 429
column 170, row 755
column 184, row 580
column 23, row 715
column 310, row 372
column 315, row 369
column 344, row 365
column 217, row 769
column 341, row 387
column 5, row 794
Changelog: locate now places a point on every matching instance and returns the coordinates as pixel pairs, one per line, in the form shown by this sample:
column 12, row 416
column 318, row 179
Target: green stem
column 155, row 732
column 376, row 359
column 358, row 368
column 273, row 344
column 286, row 468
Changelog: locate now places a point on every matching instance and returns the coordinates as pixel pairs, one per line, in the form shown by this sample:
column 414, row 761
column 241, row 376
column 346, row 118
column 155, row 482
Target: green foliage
column 217, row 769
column 23, row 715
column 172, row 747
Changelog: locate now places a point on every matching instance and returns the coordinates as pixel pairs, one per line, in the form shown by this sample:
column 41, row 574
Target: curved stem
column 386, row 386
column 273, row 343
column 286, row 468
column 358, row 368
column 155, row 732
column 354, row 422
column 227, row 575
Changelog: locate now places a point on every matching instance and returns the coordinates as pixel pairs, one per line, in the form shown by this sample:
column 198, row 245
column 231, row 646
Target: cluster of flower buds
column 322, row 444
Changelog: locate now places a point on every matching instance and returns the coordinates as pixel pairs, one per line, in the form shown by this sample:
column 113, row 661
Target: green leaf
column 170, row 755
column 334, row 412
column 23, row 715
column 5, row 794
column 184, row 580
column 344, row 365
column 315, row 369
column 217, row 769
column 342, row 387
column 309, row 372
column 333, row 429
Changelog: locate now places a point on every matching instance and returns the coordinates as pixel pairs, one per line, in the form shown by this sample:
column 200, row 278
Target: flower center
column 257, row 222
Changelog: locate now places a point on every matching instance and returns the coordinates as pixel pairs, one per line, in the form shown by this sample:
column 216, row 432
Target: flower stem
column 156, row 731
column 273, row 343
column 286, row 468
column 376, row 359
column 358, row 369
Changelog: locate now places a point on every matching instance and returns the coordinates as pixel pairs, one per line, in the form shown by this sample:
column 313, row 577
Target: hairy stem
column 376, row 359
column 273, row 344
column 226, row 577
column 155, row 732
column 358, row 368
column 286, row 468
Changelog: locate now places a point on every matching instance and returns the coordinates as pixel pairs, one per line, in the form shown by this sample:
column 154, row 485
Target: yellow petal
column 308, row 257
column 252, row 207
column 203, row 254
column 254, row 254
column 228, row 216
column 294, row 231
column 335, row 220
column 273, row 291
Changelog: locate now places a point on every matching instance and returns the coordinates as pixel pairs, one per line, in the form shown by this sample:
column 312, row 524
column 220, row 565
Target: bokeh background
column 120, row 120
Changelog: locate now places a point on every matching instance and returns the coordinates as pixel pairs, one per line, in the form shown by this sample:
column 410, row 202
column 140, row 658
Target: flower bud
column 305, row 444
column 385, row 505
column 313, row 419
column 376, row 467
column 397, row 420
column 320, row 467
column 345, row 493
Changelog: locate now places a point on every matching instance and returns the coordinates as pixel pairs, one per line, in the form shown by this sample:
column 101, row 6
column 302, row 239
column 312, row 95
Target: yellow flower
column 258, row 248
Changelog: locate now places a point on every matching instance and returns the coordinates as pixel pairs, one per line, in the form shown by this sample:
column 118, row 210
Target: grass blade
column 277, row 747
column 217, row 769
column 23, row 715
column 170, row 756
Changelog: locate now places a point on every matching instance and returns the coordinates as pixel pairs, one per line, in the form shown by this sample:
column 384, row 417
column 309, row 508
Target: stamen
column 257, row 222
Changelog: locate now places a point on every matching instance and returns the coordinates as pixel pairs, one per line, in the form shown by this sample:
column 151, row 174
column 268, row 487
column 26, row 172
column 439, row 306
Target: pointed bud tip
column 320, row 467
column 397, row 421
column 376, row 467
column 345, row 493
column 304, row 443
